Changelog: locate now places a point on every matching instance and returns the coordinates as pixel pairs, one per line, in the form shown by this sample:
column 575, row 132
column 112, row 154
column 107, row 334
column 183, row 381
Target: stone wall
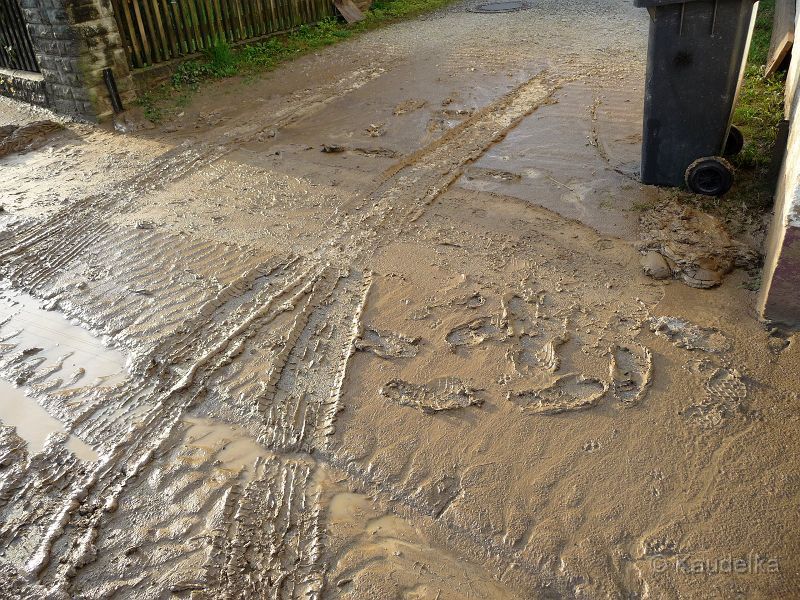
column 28, row 87
column 74, row 40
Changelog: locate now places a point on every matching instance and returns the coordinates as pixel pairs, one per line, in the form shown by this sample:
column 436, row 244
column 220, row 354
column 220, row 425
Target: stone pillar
column 74, row 40
column 780, row 287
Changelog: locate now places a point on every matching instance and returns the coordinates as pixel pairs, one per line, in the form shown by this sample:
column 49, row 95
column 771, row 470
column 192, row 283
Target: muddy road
column 375, row 326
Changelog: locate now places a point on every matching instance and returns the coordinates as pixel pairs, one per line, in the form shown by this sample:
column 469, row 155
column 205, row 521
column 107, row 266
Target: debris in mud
column 473, row 300
column 491, row 175
column 383, row 152
column 333, row 148
column 27, row 137
column 387, row 344
column 432, row 397
column 568, row 393
column 631, row 372
column 132, row 120
column 376, row 129
column 408, row 106
column 695, row 246
column 684, row 334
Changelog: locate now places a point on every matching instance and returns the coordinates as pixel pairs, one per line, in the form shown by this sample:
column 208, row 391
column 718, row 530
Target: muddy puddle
column 33, row 424
column 44, row 354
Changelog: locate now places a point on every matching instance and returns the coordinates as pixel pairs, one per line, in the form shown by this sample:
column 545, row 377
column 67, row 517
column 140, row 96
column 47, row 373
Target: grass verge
column 222, row 61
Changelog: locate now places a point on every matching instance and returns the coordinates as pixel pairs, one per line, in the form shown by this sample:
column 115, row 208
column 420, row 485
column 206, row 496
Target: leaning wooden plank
column 349, row 11
column 782, row 35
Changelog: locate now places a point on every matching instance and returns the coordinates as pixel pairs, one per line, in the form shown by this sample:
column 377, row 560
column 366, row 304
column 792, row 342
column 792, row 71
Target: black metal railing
column 16, row 49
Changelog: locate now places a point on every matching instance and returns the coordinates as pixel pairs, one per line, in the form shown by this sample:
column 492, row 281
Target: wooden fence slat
column 169, row 26
column 146, row 54
column 226, row 21
column 237, row 7
column 162, row 33
column 212, row 23
column 248, row 17
column 125, row 30
column 223, row 37
column 152, row 32
column 197, row 28
column 155, row 31
column 273, row 16
column 180, row 31
column 202, row 19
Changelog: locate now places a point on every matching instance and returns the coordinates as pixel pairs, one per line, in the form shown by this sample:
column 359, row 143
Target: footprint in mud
column 516, row 317
column 476, row 332
column 387, row 344
column 631, row 372
column 537, row 338
column 726, row 394
column 778, row 341
column 432, row 397
column 568, row 393
column 591, row 446
column 684, row 334
column 530, row 354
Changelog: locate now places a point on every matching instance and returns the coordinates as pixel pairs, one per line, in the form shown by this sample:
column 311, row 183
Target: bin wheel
column 710, row 176
column 734, row 143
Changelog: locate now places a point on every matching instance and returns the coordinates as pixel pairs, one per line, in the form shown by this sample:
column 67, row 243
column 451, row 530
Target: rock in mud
column 432, row 397
column 684, row 334
column 655, row 265
column 694, row 245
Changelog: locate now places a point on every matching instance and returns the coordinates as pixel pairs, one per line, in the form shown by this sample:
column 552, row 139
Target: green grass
column 758, row 113
column 221, row 61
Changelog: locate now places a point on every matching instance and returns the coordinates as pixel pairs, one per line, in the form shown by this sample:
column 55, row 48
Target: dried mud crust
column 684, row 243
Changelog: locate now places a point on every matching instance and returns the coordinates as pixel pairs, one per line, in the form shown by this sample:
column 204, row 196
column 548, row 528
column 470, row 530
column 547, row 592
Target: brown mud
column 427, row 365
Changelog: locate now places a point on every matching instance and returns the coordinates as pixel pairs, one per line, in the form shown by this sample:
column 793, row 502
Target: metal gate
column 155, row 31
column 16, row 49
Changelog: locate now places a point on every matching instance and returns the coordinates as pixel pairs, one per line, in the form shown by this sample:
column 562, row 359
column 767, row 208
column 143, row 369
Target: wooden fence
column 16, row 50
column 155, row 31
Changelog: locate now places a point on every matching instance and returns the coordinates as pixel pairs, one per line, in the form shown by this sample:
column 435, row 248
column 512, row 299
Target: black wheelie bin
column 696, row 55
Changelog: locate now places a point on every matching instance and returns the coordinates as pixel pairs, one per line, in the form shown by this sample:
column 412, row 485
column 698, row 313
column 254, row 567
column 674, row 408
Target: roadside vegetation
column 223, row 61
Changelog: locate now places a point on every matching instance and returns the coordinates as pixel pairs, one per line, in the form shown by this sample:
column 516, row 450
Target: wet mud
column 423, row 364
